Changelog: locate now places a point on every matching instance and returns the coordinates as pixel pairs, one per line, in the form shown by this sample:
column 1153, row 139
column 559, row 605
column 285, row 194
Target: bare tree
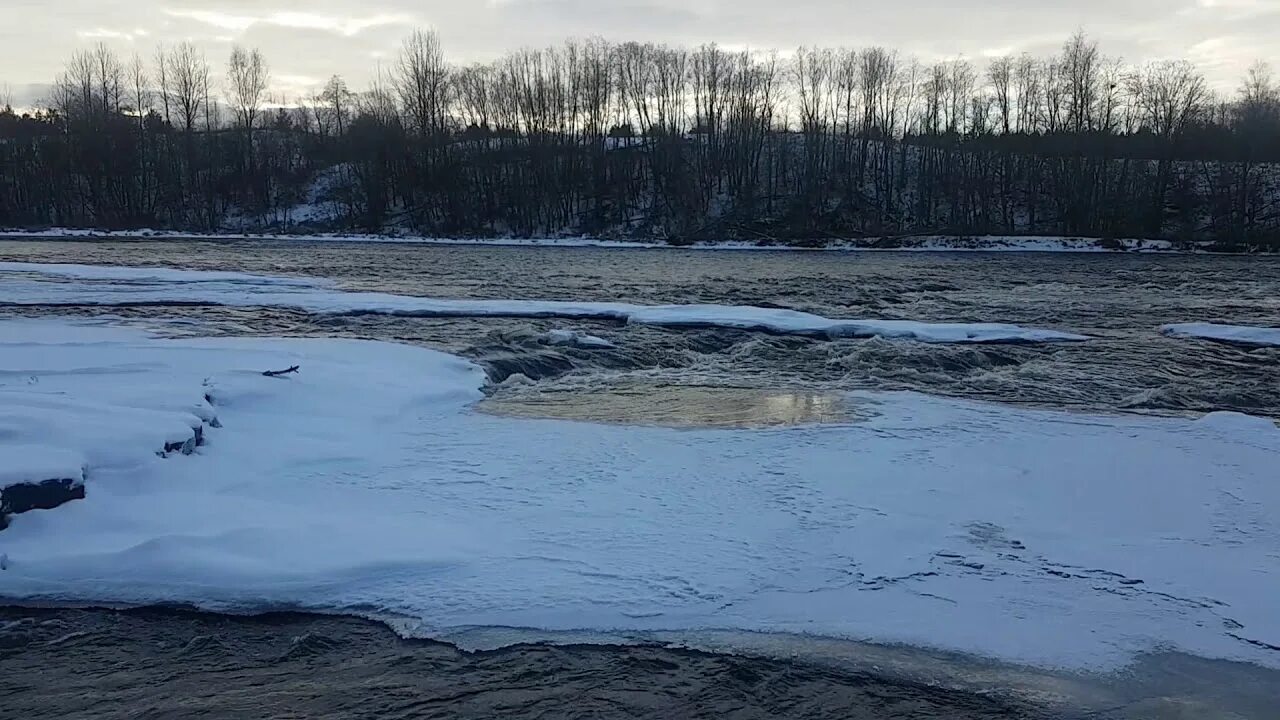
column 246, row 88
column 422, row 82
column 247, row 80
column 636, row 71
column 140, row 89
column 163, row 88
column 1113, row 108
column 1055, row 97
column 813, row 77
column 74, row 89
column 711, row 76
column 1030, row 87
column 876, row 75
column 1257, row 123
column 670, row 82
column 934, row 98
column 1080, row 67
column 337, row 100
column 1167, row 95
column 597, row 86
column 961, row 82
column 814, row 72
column 1001, row 76
column 188, row 80
column 473, row 85
column 1259, row 89
column 111, row 83
column 141, row 99
column 909, row 89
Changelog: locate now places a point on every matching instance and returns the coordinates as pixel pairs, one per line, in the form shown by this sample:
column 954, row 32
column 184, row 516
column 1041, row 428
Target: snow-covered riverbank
column 919, row 243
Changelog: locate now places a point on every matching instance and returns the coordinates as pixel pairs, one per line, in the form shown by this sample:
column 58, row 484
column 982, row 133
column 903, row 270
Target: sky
column 306, row 41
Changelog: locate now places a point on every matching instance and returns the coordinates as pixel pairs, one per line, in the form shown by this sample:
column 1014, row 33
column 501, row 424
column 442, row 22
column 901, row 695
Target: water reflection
column 680, row 406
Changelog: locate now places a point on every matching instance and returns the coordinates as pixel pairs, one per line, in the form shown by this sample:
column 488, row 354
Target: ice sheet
column 27, row 284
column 1238, row 334
column 365, row 483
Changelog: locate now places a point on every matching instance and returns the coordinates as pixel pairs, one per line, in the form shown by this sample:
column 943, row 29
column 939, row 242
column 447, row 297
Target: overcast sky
column 305, row 41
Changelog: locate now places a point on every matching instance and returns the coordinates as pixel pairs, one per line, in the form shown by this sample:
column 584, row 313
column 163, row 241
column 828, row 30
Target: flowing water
column 725, row 377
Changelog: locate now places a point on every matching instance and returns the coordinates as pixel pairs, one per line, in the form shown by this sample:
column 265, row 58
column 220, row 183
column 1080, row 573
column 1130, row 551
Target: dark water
column 173, row 663
column 1120, row 300
column 167, row 664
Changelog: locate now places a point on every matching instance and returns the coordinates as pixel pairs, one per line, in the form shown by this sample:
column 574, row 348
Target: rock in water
column 186, row 447
column 46, row 495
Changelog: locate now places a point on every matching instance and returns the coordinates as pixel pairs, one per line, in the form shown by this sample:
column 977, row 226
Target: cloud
column 25, row 97
column 1231, row 9
column 1225, row 56
column 225, row 21
column 107, row 34
column 322, row 37
column 347, row 26
column 1252, row 5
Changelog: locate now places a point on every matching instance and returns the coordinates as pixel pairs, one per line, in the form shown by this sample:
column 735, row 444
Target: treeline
column 648, row 140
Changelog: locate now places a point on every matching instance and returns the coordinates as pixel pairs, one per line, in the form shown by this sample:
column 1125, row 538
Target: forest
column 643, row 140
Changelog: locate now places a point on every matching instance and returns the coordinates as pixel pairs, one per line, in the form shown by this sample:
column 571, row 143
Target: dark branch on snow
column 278, row 373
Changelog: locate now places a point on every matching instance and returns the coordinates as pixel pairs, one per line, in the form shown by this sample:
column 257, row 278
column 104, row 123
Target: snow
column 1032, row 243
column 68, row 406
column 573, row 338
column 319, row 205
column 28, row 284
column 790, row 322
column 1233, row 422
column 306, row 212
column 314, row 210
column 1239, row 334
column 153, row 275
column 366, row 483
column 34, row 463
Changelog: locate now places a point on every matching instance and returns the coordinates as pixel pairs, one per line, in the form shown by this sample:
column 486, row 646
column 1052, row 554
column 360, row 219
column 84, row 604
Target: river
column 728, row 377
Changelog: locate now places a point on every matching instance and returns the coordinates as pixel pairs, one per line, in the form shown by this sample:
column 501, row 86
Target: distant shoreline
column 911, row 243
